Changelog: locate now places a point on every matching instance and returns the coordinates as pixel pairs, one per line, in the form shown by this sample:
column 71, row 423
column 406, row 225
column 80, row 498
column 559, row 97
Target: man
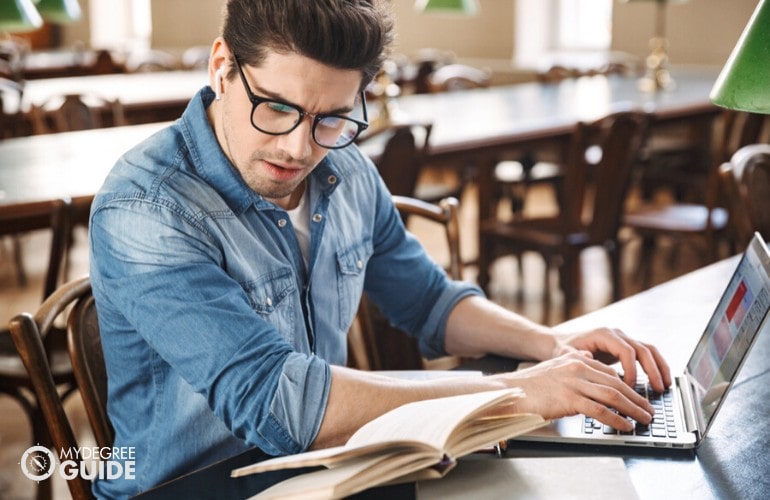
column 229, row 253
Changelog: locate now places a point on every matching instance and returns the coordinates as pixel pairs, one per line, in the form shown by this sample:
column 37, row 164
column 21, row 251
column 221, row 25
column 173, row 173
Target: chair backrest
column 196, row 57
column 11, row 120
column 402, row 155
column 373, row 343
column 454, row 77
column 735, row 130
column 600, row 163
column 85, row 348
column 152, row 60
column 746, row 178
column 556, row 73
column 28, row 333
column 72, row 112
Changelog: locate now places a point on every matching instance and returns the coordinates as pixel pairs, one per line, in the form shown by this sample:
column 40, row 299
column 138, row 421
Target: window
column 121, row 25
column 545, row 28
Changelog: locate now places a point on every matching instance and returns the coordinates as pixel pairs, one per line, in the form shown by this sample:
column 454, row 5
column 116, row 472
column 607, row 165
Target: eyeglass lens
column 330, row 131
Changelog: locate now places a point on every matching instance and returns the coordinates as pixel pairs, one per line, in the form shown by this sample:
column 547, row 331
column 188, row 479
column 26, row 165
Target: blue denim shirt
column 215, row 336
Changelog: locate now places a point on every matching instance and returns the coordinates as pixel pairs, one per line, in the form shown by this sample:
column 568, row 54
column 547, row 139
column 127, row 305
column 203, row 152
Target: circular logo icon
column 38, row 463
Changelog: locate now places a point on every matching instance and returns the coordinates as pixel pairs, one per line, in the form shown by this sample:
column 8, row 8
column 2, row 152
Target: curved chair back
column 28, row 333
column 401, row 158
column 746, row 178
column 85, row 348
column 73, row 112
column 620, row 137
column 373, row 343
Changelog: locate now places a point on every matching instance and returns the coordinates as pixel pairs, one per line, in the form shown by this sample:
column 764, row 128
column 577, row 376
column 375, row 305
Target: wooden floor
column 506, row 288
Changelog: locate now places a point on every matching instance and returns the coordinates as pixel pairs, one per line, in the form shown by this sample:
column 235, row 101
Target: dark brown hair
column 344, row 34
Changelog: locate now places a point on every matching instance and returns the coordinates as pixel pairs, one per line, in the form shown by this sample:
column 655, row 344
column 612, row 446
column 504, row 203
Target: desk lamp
column 59, row 11
column 744, row 82
column 18, row 15
column 657, row 76
column 467, row 7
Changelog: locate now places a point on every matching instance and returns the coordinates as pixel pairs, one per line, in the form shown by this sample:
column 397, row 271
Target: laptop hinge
column 685, row 394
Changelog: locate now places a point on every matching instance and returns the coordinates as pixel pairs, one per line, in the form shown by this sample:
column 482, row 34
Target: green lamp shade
column 469, row 7
column 18, row 15
column 744, row 83
column 59, row 11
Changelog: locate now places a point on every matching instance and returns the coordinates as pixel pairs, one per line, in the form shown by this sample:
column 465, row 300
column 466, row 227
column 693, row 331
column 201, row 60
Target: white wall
column 699, row 32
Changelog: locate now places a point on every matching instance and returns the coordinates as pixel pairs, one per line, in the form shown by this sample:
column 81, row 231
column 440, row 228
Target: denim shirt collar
column 213, row 166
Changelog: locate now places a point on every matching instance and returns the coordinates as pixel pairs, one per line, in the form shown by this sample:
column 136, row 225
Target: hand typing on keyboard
column 578, row 380
column 662, row 425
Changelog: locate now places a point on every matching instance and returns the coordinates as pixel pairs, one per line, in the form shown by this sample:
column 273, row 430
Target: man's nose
column 299, row 142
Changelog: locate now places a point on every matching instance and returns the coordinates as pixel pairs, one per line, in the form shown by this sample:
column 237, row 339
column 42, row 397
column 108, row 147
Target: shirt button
column 269, row 301
column 281, row 222
column 332, row 179
column 317, row 217
column 360, row 264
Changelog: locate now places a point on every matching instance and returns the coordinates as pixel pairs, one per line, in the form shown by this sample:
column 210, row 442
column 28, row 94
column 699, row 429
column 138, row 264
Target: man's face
column 274, row 166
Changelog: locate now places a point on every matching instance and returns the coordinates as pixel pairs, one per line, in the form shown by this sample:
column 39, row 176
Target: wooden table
column 495, row 119
column 67, row 165
column 482, row 126
column 728, row 464
column 146, row 97
column 475, row 125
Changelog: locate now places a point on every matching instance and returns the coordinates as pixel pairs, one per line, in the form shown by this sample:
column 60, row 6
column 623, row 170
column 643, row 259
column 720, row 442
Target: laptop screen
column 731, row 330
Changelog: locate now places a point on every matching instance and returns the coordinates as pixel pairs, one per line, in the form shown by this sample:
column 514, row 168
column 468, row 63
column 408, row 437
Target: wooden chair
column 373, row 344
column 196, row 57
column 453, row 77
column 591, row 209
column 148, row 61
column 746, row 179
column 72, row 112
column 703, row 224
column 513, row 178
column 14, row 379
column 11, row 123
column 400, row 161
column 31, row 332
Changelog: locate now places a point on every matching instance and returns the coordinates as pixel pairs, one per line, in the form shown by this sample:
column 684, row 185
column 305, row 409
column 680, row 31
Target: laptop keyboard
column 663, row 424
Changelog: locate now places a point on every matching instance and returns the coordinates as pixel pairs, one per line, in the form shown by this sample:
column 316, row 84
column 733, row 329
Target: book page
column 348, row 478
column 431, row 421
column 423, row 425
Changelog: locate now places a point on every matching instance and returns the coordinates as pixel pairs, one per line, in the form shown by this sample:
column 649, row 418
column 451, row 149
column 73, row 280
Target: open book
column 418, row 440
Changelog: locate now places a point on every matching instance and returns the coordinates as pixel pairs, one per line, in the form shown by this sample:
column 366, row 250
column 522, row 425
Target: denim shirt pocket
column 351, row 264
column 270, row 295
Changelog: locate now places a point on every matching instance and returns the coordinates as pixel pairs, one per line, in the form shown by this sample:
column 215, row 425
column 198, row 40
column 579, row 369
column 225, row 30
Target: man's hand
column 611, row 345
column 575, row 383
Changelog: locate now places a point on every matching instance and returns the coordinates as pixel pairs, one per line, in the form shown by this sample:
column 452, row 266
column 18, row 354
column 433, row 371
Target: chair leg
column 18, row 259
column 40, row 434
column 484, row 261
column 569, row 281
column 646, row 252
column 613, row 253
column 520, row 263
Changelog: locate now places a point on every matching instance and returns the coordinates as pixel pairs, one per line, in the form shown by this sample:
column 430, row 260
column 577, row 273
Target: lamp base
column 657, row 76
column 656, row 81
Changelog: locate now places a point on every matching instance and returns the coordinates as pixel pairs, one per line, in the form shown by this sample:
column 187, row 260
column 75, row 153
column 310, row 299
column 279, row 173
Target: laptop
column 684, row 413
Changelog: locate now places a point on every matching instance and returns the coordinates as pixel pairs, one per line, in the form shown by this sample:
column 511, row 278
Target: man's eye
column 280, row 108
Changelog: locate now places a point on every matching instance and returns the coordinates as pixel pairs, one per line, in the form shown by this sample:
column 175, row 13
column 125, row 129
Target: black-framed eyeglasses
column 331, row 131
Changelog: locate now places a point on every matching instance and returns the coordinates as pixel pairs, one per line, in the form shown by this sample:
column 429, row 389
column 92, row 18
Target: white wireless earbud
column 218, row 84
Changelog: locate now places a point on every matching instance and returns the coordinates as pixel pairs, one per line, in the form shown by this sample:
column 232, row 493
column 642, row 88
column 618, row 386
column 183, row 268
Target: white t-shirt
column 300, row 219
